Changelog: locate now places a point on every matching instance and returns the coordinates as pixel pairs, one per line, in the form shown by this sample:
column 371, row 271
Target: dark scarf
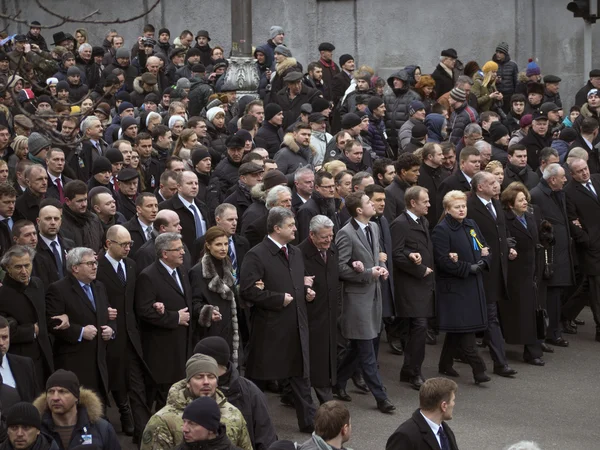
column 223, row 285
column 83, row 222
column 326, row 205
column 243, row 187
column 521, row 172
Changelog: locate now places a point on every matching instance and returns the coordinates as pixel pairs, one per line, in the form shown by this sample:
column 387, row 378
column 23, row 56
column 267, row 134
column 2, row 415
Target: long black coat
column 414, row 293
column 120, row 297
column 495, row 234
column 126, row 206
column 443, row 81
column 52, row 191
column 279, row 342
column 272, row 135
column 5, row 238
column 431, row 179
column 394, row 199
column 158, row 331
column 388, row 305
column 339, row 84
column 416, row 434
column 322, row 314
column 583, row 205
column 137, row 235
column 552, row 207
column 314, row 206
column 291, row 108
column 186, row 217
column 460, row 296
column 26, row 305
column 518, row 311
column 23, row 371
column 86, row 358
column 44, row 264
column 27, row 207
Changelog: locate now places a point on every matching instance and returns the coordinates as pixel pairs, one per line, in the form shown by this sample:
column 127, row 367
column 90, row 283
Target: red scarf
column 329, row 65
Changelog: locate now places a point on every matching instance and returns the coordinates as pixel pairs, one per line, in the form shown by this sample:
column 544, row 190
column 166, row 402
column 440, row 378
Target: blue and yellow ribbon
column 476, row 241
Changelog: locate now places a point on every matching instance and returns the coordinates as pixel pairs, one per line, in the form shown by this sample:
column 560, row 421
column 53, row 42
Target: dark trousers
column 493, row 336
column 157, row 392
column 362, row 353
column 466, row 343
column 578, row 299
column 324, row 394
column 305, row 409
column 396, row 329
column 414, row 350
column 532, row 351
column 595, row 299
column 553, row 306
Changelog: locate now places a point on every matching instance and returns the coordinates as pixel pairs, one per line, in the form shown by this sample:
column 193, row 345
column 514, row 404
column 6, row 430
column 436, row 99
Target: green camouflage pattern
column 163, row 431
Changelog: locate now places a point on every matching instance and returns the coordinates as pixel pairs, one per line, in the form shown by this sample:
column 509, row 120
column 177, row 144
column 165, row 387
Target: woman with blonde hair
column 484, row 87
column 461, row 256
column 81, row 36
column 334, row 167
column 20, row 146
column 185, row 143
column 496, row 169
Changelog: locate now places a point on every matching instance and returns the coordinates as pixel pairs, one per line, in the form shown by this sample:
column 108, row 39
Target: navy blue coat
column 460, row 297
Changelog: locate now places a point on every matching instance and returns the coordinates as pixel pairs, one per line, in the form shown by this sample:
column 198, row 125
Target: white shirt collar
column 144, row 226
column 362, row 225
column 184, row 201
column 53, row 178
column 112, row 261
column 467, row 177
column 484, row 201
column 276, row 243
column 412, row 216
column 49, row 242
column 169, row 270
column 434, row 426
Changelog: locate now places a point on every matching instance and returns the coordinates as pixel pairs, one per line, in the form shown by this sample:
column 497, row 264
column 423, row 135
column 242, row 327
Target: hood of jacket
column 87, row 399
column 410, row 70
column 137, row 86
column 587, row 112
column 400, row 74
column 268, row 52
column 286, row 64
column 289, row 142
column 435, row 124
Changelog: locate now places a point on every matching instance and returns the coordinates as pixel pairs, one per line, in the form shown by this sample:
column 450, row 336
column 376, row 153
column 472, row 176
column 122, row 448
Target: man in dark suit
column 81, row 348
column 50, row 261
column 28, row 204
column 407, row 175
column 427, row 428
column 16, row 371
column 412, row 255
column 431, row 176
column 163, row 301
column 193, row 214
column 277, row 196
column 583, row 210
column 487, row 213
column 55, row 163
column 321, row 202
column 279, row 317
column 22, row 302
column 341, row 81
column 250, row 174
column 140, row 225
column 8, row 197
column 320, row 262
column 588, row 135
column 304, row 185
column 460, row 180
column 124, row 357
column 128, row 180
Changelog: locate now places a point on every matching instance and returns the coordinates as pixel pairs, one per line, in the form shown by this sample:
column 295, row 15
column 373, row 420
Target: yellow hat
column 489, row 66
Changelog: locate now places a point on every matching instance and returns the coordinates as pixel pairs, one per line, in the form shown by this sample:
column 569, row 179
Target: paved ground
column 555, row 405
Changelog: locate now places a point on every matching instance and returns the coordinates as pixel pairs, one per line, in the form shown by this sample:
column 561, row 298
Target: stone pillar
column 242, row 71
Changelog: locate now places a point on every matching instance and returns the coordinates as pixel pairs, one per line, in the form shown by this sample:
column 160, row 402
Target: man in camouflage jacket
column 163, row 431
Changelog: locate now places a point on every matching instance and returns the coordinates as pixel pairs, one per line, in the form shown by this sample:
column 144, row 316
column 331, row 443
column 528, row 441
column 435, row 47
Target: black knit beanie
column 215, row 346
column 64, row 379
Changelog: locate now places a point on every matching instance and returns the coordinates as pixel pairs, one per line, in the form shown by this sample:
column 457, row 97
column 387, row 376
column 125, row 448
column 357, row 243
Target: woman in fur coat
column 213, row 282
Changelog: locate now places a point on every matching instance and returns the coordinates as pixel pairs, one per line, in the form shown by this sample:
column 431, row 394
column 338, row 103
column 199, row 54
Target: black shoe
column 430, row 338
column 579, row 322
column 396, row 347
column 127, row 423
column 308, row 429
column 535, row 362
column 273, row 386
column 546, row 348
column 504, row 371
column 598, row 336
column 416, row 382
column 359, row 382
column 385, row 406
column 449, row 371
column 481, row 378
column 341, row 394
column 568, row 328
column 558, row 342
column 287, row 400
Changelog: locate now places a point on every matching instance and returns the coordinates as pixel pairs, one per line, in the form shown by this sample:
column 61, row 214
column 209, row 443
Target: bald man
column 124, row 359
column 166, row 221
column 49, row 263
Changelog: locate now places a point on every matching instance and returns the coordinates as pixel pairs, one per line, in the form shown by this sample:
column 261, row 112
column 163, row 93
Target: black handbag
column 548, row 272
column 541, row 322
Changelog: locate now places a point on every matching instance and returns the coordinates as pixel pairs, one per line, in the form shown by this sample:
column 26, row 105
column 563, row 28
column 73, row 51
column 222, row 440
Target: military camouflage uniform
column 163, row 431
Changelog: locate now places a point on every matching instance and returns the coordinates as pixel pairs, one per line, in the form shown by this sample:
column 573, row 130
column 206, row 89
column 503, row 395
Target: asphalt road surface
column 555, row 406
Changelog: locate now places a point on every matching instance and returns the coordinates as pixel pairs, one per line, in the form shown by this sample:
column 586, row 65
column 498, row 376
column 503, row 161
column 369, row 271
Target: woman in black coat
column 213, row 292
column 519, row 308
column 461, row 255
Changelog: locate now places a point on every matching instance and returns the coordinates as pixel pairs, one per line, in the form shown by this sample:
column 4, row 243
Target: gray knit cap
column 200, row 363
column 275, row 31
column 37, row 143
column 283, row 50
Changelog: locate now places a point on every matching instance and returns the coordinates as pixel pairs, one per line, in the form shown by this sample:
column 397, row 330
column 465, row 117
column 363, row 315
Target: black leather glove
column 475, row 269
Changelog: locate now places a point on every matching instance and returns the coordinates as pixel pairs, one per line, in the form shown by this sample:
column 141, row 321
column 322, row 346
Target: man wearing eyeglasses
column 126, row 367
column 81, row 348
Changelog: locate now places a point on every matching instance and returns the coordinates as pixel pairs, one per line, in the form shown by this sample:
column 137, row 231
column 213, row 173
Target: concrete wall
column 385, row 34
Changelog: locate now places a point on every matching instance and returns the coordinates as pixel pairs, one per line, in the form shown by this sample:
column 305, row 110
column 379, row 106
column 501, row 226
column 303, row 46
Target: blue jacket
column 377, row 135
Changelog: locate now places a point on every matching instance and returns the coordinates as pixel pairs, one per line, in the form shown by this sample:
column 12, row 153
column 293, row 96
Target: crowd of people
column 169, row 245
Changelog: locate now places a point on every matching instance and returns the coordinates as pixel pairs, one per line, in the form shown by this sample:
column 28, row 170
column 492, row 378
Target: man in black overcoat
column 124, row 358
column 81, row 348
column 427, row 428
column 20, row 368
column 412, row 256
column 140, row 225
column 279, row 336
column 320, row 261
column 487, row 212
column 460, row 180
column 163, row 302
column 431, row 176
column 321, row 201
column 583, row 210
column 22, row 302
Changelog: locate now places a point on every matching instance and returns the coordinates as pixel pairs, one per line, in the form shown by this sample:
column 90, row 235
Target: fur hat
column 449, row 53
column 319, row 104
column 532, row 69
column 97, row 51
column 114, row 155
column 535, row 88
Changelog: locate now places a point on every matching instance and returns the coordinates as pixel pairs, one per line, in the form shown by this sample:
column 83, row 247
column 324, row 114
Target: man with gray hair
column 278, row 196
column 92, row 146
column 279, row 317
column 304, row 185
column 321, row 262
column 81, row 348
column 550, row 199
column 22, row 299
column 485, row 151
column 163, row 302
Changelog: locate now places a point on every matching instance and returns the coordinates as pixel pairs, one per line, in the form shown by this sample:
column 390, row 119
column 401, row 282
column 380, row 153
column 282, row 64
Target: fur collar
column 286, row 64
column 87, row 399
column 447, row 70
column 289, row 142
column 137, row 86
column 258, row 192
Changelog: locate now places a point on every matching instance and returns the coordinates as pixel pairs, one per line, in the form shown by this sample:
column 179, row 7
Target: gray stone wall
column 385, row 34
